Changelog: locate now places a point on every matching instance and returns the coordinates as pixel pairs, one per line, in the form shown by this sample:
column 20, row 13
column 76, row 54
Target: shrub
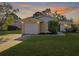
column 10, row 28
column 74, row 28
column 53, row 26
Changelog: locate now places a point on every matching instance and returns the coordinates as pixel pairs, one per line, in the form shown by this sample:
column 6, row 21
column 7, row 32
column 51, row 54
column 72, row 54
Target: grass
column 67, row 45
column 10, row 32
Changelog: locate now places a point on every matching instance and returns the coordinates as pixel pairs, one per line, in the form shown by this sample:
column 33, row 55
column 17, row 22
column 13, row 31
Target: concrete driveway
column 9, row 41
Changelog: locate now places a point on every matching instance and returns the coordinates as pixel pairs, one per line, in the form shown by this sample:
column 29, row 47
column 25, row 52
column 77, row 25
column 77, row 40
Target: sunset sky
column 27, row 9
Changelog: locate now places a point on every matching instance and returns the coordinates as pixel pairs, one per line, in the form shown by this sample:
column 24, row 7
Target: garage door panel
column 31, row 28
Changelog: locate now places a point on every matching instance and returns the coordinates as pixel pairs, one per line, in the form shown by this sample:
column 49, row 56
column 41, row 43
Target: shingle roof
column 30, row 18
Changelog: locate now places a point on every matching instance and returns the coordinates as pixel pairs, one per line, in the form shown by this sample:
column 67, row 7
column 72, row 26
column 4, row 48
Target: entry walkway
column 9, row 41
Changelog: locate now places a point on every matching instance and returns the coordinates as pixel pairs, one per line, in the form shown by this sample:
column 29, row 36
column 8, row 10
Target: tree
column 58, row 17
column 8, row 22
column 37, row 15
column 74, row 28
column 5, row 10
column 53, row 26
column 1, row 8
column 43, row 13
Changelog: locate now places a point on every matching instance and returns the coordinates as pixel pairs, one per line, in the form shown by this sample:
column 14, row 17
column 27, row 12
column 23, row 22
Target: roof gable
column 31, row 20
column 45, row 18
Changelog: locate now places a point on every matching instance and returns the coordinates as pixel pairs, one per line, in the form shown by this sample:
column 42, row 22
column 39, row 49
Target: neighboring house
column 11, row 20
column 36, row 25
column 65, row 24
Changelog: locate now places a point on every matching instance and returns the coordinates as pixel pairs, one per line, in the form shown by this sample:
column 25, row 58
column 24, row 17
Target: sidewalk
column 11, row 41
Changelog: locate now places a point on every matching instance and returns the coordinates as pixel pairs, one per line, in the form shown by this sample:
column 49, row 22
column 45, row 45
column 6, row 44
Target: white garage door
column 31, row 28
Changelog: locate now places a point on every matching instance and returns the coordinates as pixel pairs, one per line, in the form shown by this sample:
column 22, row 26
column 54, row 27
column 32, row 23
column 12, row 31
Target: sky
column 68, row 9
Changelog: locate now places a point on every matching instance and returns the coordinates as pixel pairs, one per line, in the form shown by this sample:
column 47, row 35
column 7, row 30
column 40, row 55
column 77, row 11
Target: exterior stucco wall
column 44, row 27
column 46, row 19
column 44, row 24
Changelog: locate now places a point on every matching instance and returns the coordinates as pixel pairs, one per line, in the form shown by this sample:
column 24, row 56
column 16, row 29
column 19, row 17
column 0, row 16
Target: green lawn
column 47, row 46
column 10, row 32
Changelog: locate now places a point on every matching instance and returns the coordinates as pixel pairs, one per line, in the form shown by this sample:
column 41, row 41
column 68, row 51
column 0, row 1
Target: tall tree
column 58, row 17
column 5, row 10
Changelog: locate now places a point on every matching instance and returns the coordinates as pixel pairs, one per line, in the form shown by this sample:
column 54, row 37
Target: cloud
column 24, row 5
column 24, row 15
column 32, row 10
column 26, row 11
column 39, row 8
column 76, row 21
column 63, row 10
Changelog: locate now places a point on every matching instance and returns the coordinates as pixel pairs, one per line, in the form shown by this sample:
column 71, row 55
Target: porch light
column 38, row 22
